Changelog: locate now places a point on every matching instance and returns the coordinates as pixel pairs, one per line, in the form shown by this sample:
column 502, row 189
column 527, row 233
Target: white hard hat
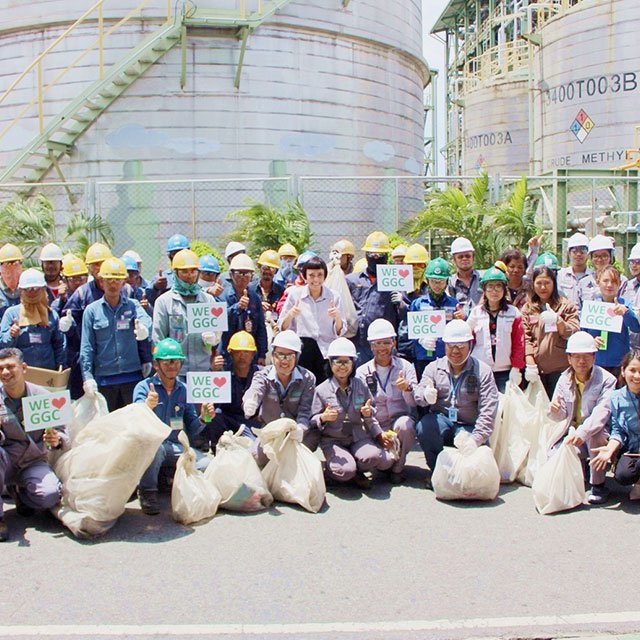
column 31, row 278
column 461, row 245
column 287, row 340
column 51, row 252
column 233, row 248
column 581, row 342
column 457, row 331
column 577, row 240
column 380, row 329
column 242, row 262
column 600, row 243
column 132, row 254
column 342, row 347
column 635, row 252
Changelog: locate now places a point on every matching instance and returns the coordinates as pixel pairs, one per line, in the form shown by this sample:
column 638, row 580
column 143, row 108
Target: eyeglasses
column 341, row 363
column 242, row 274
column 635, row 263
column 494, row 287
column 382, row 343
column 579, row 249
column 278, row 355
column 455, row 346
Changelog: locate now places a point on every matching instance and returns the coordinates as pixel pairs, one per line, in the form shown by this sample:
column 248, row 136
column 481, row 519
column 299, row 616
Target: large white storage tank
column 586, row 87
column 328, row 89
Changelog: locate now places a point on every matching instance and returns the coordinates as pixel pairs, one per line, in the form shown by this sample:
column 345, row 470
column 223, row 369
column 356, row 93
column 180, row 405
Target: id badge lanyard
column 455, row 388
column 281, row 398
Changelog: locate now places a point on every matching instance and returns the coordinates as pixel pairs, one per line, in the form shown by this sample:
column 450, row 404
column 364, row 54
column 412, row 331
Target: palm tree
column 515, row 218
column 263, row 227
column 454, row 214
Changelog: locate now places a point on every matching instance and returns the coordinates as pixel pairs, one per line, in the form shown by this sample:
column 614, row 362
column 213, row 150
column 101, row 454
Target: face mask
column 372, row 263
column 418, row 274
column 205, row 284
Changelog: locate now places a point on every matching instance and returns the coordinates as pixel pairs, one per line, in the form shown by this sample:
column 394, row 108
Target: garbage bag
column 193, row 498
column 86, row 409
column 100, row 472
column 536, row 432
column 337, row 281
column 508, row 441
column 234, row 472
column 559, row 483
column 293, row 473
column 463, row 474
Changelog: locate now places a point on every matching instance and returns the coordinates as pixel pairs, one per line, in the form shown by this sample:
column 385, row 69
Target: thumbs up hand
column 161, row 281
column 430, row 392
column 402, row 383
column 144, row 302
column 294, row 312
column 330, row 414
column 14, row 331
column 141, row 332
column 153, row 398
column 333, row 311
column 66, row 322
column 243, row 303
column 366, row 410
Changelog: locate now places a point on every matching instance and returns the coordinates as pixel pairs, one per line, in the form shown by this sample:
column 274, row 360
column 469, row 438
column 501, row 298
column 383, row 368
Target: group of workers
column 339, row 361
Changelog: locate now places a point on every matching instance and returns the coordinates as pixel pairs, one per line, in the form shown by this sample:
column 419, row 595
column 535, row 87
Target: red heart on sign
column 403, row 272
column 611, row 312
column 435, row 319
column 216, row 311
column 58, row 403
column 219, row 382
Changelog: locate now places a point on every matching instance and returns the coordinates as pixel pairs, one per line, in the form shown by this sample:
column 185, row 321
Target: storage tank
column 586, row 87
column 326, row 88
column 496, row 135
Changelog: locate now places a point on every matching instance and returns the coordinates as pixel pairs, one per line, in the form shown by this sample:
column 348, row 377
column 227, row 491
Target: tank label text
column 488, row 139
column 589, row 87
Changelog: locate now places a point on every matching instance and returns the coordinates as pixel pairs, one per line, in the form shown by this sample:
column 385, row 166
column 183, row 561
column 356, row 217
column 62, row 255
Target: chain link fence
column 144, row 214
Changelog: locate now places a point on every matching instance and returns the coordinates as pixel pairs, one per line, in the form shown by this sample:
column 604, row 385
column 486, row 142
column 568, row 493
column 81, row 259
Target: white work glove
column 297, row 433
column 211, row 338
column 548, row 317
column 396, row 297
column 250, row 408
column 531, row 373
column 66, row 322
column 428, row 344
column 90, row 388
column 468, row 446
column 147, row 368
column 140, row 331
column 515, row 376
column 430, row 392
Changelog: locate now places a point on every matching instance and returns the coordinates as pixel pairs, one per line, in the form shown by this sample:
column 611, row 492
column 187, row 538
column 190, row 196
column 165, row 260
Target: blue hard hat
column 130, row 263
column 304, row 258
column 209, row 263
column 177, row 243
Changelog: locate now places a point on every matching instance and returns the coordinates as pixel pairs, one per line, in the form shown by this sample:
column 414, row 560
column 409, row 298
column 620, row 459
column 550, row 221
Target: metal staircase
column 58, row 136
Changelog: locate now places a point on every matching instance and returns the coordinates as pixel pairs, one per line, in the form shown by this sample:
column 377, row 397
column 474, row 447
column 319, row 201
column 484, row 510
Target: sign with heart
column 394, row 277
column 601, row 316
column 203, row 317
column 47, row 410
column 209, row 386
column 429, row 323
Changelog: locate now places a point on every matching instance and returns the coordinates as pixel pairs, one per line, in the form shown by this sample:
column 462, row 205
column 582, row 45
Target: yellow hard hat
column 344, row 248
column 360, row 266
column 185, row 259
column 416, row 254
column 269, row 258
column 68, row 256
column 377, row 242
column 97, row 252
column 287, row 250
column 73, row 266
column 242, row 341
column 113, row 269
column 10, row 253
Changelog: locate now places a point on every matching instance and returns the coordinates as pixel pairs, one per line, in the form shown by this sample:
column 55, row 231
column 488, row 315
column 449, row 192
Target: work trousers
column 434, row 432
column 344, row 461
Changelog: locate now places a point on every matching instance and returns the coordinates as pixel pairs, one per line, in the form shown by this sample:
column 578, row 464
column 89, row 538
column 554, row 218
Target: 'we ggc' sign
column 202, row 316
column 209, row 386
column 394, row 277
column 426, row 324
column 601, row 316
column 46, row 410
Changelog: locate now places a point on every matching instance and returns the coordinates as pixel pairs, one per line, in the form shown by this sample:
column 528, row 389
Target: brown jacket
column 549, row 349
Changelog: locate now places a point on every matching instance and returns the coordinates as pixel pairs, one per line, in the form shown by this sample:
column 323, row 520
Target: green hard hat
column 547, row 260
column 493, row 274
column 438, row 269
column 168, row 349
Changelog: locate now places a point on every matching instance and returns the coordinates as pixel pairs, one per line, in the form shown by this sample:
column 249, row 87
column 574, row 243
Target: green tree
column 454, row 214
column 202, row 248
column 261, row 227
column 515, row 218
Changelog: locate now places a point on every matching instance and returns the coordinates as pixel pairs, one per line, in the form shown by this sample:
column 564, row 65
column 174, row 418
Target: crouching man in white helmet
column 391, row 381
column 582, row 399
column 460, row 392
column 282, row 390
